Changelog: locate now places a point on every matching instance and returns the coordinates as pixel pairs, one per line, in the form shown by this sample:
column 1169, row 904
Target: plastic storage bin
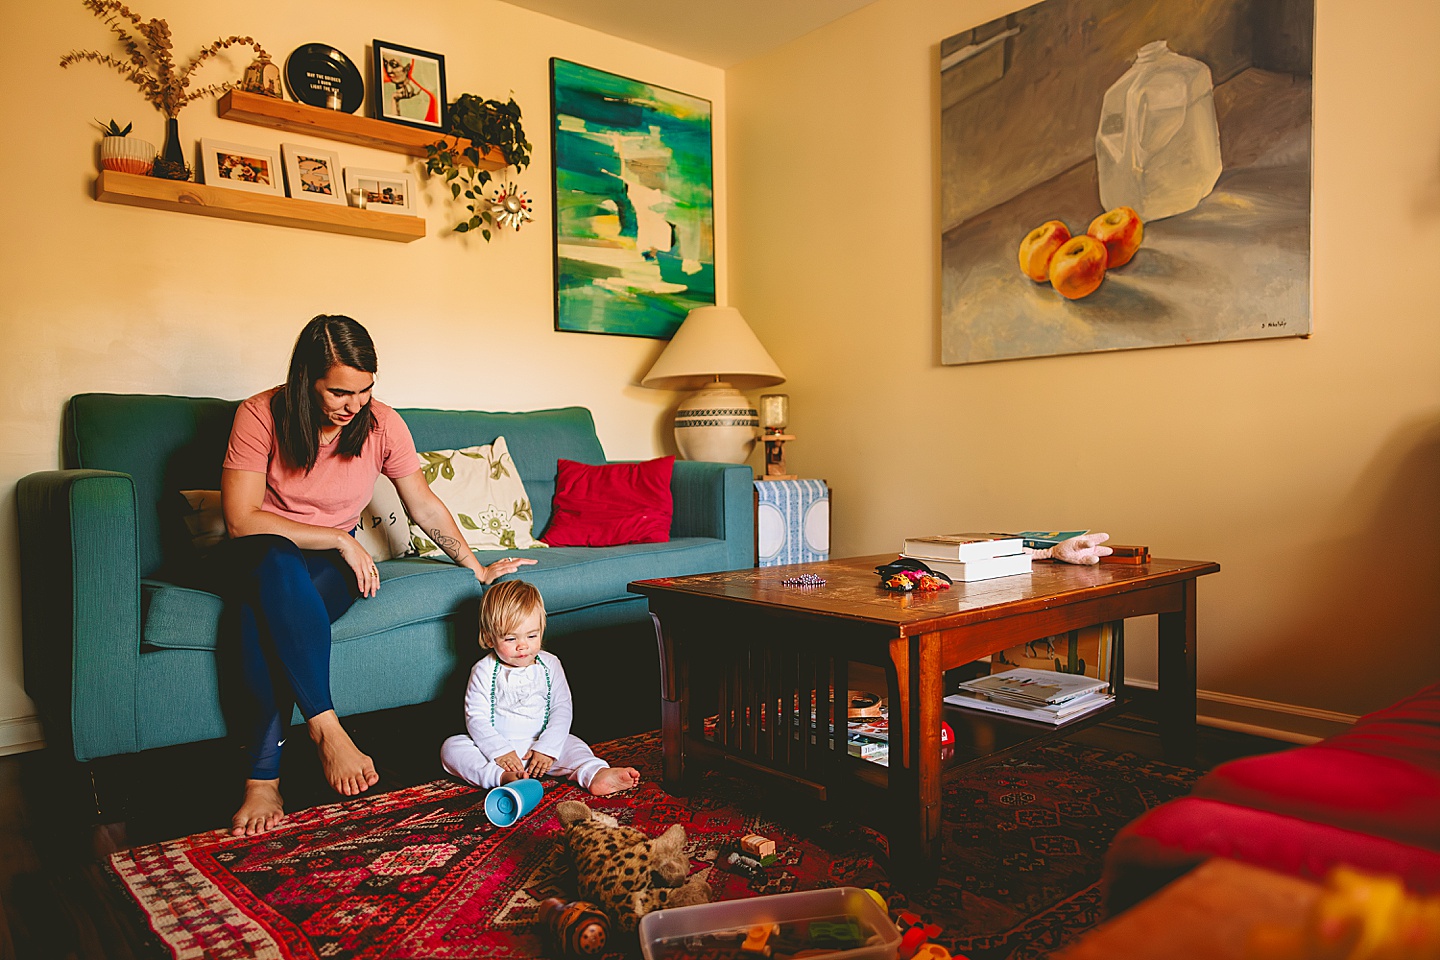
column 706, row 918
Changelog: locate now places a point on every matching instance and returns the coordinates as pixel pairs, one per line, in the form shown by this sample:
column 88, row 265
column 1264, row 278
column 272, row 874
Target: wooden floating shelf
column 225, row 203
column 337, row 125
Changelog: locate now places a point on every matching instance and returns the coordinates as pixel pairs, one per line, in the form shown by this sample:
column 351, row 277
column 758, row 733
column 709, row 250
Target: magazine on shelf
column 1060, row 713
column 969, row 571
column 1039, row 687
column 962, row 546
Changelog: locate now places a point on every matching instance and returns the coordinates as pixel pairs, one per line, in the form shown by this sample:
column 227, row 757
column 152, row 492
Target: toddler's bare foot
column 261, row 811
column 510, row 775
column 347, row 770
column 613, row 780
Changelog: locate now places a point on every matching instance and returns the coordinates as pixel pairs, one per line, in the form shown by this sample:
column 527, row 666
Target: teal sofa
column 121, row 659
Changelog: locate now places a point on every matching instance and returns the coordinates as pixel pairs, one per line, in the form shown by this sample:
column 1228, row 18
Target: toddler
column 518, row 708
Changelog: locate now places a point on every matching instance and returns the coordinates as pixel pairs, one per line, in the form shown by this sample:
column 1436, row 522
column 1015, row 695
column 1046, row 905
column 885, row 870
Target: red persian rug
column 420, row 873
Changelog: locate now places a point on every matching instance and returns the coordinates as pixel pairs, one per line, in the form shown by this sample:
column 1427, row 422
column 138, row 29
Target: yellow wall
column 1308, row 468
column 100, row 297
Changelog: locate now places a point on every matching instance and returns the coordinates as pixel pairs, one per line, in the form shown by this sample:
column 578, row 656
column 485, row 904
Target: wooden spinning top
column 578, row 928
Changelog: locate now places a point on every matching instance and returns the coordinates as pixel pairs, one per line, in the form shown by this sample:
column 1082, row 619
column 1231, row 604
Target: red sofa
column 1368, row 797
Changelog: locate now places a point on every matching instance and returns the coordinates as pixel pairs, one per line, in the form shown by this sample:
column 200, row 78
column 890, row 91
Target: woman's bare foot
column 262, row 810
column 347, row 770
column 613, row 780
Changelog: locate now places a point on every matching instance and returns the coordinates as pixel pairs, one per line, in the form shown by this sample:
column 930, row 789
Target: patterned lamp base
column 717, row 424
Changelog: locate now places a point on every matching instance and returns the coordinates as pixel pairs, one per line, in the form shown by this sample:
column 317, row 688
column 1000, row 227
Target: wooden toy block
column 757, row 846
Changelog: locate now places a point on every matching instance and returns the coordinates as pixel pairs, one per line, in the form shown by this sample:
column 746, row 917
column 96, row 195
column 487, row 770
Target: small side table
column 792, row 521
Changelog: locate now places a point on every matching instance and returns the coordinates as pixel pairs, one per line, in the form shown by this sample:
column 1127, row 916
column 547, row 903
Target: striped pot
column 127, row 154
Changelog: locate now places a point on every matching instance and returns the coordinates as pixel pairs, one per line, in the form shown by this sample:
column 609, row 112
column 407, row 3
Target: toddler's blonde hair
column 505, row 607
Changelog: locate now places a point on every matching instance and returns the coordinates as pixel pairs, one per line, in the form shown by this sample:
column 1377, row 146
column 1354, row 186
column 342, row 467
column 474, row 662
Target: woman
column 301, row 465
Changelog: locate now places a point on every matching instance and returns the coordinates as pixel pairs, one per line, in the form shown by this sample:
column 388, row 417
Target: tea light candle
column 774, row 411
column 333, row 100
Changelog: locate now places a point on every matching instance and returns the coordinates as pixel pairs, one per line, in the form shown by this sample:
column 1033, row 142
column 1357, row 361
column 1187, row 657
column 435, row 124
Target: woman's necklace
column 326, row 437
column 495, row 680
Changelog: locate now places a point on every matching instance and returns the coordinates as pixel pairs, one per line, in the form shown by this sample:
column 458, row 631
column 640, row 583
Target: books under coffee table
column 1042, row 695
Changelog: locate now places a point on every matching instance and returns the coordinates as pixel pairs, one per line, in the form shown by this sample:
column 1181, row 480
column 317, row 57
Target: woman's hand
column 537, row 764
column 510, row 763
column 501, row 567
column 367, row 577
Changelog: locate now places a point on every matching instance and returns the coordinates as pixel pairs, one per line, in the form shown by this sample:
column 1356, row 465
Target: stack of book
column 966, row 557
column 1040, row 695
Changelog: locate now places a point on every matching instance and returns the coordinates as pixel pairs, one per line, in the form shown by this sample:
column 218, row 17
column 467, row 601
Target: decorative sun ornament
column 510, row 206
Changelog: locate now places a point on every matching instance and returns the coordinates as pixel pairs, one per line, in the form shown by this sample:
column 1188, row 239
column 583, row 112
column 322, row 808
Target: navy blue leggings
column 287, row 600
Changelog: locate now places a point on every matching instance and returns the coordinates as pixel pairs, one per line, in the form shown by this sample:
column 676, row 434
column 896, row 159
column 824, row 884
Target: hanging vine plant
column 488, row 125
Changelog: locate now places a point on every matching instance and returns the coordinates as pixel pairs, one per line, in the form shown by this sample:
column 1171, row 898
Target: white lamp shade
column 713, row 343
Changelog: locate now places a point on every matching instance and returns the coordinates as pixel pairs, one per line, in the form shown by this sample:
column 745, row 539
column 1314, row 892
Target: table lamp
column 716, row 351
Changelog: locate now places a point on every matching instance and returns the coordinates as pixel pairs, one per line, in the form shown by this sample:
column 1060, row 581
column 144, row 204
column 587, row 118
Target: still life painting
column 1121, row 174
column 634, row 203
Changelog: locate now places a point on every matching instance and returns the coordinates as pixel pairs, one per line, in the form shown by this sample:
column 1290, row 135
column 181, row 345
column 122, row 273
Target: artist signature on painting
column 1273, row 323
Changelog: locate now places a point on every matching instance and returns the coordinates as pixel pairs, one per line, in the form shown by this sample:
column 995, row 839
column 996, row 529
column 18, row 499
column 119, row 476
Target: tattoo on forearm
column 453, row 548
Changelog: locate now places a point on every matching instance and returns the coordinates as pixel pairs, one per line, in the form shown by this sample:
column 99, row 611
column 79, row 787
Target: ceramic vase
column 127, row 154
column 718, row 424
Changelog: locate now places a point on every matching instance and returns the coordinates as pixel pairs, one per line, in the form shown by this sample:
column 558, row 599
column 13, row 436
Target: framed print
column 1125, row 174
column 312, row 174
column 634, row 204
column 383, row 190
column 409, row 86
column 234, row 165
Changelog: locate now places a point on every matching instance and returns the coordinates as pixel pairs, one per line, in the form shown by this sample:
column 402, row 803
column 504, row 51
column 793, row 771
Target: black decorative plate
column 315, row 70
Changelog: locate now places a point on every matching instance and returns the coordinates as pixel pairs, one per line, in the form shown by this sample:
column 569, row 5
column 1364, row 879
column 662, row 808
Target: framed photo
column 312, row 174
column 409, row 86
column 383, row 190
column 634, row 202
column 234, row 165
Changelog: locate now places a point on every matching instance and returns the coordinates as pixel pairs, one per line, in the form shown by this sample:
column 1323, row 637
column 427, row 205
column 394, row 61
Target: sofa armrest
column 716, row 500
column 80, row 607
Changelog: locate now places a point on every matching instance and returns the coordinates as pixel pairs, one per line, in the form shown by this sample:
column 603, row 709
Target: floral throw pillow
column 483, row 490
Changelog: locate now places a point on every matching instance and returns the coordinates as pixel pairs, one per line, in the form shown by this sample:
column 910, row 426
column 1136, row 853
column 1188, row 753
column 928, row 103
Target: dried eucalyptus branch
column 149, row 61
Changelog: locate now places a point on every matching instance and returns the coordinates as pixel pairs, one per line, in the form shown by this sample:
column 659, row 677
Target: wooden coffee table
column 755, row 654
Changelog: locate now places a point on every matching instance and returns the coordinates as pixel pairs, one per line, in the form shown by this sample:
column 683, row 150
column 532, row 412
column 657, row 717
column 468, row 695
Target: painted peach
column 1039, row 246
column 1078, row 267
column 1121, row 231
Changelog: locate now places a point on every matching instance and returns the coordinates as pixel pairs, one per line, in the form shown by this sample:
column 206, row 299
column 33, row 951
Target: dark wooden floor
column 58, row 901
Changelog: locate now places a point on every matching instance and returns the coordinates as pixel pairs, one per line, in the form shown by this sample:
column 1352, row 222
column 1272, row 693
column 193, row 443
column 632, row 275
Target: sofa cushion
column 1178, row 835
column 484, row 492
column 571, row 578
column 609, row 504
column 416, row 590
column 1347, row 788
column 384, row 528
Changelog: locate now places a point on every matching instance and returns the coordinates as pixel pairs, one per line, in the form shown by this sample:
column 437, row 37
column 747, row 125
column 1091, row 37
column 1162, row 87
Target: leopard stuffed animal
column 624, row 871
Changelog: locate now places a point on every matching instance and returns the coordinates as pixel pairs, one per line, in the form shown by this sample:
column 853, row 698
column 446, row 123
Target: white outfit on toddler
column 521, row 709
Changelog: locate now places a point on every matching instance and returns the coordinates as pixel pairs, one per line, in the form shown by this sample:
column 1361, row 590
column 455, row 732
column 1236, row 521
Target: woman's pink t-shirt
column 334, row 492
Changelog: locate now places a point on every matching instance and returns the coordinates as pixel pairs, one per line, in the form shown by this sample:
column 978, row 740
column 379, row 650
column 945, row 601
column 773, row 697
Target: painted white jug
column 1158, row 146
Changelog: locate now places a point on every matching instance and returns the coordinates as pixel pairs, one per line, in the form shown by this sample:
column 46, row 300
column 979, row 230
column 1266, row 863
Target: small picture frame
column 408, row 85
column 387, row 191
column 237, row 166
column 313, row 174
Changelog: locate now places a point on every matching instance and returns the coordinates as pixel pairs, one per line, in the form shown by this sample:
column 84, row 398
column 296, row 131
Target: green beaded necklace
column 495, row 680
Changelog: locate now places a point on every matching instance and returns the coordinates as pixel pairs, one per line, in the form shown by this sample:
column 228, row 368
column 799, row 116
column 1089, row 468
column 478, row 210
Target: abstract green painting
column 634, row 204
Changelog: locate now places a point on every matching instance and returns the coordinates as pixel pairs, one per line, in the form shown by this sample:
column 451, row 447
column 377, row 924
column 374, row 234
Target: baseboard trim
column 1263, row 718
column 20, row 735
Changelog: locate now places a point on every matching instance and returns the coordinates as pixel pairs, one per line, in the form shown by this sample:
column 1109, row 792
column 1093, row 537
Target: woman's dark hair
column 325, row 342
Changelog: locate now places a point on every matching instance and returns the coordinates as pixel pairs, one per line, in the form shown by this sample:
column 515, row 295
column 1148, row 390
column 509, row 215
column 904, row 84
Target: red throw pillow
column 611, row 504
